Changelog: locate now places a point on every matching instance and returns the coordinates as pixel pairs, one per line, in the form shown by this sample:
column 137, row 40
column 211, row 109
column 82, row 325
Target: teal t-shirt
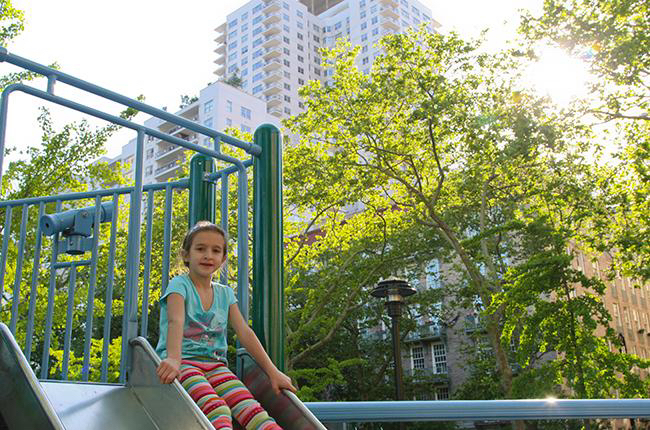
column 204, row 331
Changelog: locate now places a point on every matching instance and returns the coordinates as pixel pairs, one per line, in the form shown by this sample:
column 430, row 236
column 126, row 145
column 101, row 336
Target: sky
column 162, row 50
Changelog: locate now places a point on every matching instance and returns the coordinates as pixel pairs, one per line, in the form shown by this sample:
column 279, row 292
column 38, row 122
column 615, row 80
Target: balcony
column 271, row 53
column 221, row 59
column 273, row 101
column 271, row 65
column 271, row 18
column 389, row 12
column 168, row 151
column 271, row 30
column 221, row 33
column 272, row 77
column 168, row 167
column 221, row 49
column 473, row 323
column 427, row 332
column 221, row 71
column 428, row 375
column 271, row 6
column 272, row 89
column 390, row 23
column 272, row 41
column 389, row 3
column 276, row 111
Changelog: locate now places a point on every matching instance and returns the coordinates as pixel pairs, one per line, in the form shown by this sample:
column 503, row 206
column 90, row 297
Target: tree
column 612, row 38
column 187, row 100
column 443, row 132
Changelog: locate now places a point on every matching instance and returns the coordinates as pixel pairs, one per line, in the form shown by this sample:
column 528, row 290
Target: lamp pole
column 394, row 290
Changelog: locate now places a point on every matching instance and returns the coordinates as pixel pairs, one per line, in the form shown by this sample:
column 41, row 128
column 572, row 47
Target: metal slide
column 143, row 403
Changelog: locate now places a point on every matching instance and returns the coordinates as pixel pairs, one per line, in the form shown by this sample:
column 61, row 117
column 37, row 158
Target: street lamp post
column 394, row 290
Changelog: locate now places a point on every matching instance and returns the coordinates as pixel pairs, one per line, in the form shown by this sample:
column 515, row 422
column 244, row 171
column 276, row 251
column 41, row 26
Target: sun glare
column 558, row 75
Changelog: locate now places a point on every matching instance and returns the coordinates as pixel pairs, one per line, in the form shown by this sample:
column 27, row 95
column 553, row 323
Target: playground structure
column 81, row 390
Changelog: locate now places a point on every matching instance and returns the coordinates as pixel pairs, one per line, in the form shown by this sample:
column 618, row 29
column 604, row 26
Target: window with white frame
column 616, row 313
column 442, row 393
column 245, row 112
column 417, row 357
column 228, row 105
column 439, row 357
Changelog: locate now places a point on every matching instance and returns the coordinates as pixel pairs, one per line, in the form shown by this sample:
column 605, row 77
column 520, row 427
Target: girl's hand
column 168, row 370
column 281, row 381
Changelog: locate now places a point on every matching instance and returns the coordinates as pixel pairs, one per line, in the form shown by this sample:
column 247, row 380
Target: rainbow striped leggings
column 221, row 396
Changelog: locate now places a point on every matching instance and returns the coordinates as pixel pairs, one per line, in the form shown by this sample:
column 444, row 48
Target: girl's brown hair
column 198, row 228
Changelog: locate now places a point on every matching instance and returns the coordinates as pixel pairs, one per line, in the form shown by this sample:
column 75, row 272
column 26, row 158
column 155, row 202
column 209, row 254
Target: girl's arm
column 170, row 367
column 249, row 340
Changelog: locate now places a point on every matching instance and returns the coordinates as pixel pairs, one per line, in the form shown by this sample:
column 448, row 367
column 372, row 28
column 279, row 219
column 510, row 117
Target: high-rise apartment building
column 274, row 45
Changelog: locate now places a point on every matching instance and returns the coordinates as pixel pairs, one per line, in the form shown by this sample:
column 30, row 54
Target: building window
column 286, row 40
column 257, row 77
column 244, row 50
column 149, row 153
column 285, row 17
column 316, row 28
column 300, row 25
column 286, row 28
column 301, row 59
column 286, row 51
column 362, row 15
column 245, row 71
column 232, row 23
column 257, row 19
column 364, row 25
column 257, row 42
column 364, row 37
column 232, row 34
column 301, row 105
column 257, row 31
column 301, row 70
column 246, row 113
column 208, row 123
column 299, row 13
column 316, row 39
column 433, row 274
column 286, row 63
column 244, row 28
column 300, row 47
column 337, row 26
column 232, row 45
column 228, row 122
column 442, row 393
column 300, row 37
column 439, row 358
column 232, row 68
column 287, row 99
column 287, row 86
column 317, row 60
column 286, row 74
column 365, row 48
column 316, row 71
column 257, row 8
column 287, row 111
column 301, row 81
column 244, row 16
column 417, row 357
column 245, row 128
column 365, row 60
column 258, row 65
column 285, row 5
column 148, row 170
column 375, row 31
column 232, row 57
column 207, row 106
column 228, row 106
column 374, row 20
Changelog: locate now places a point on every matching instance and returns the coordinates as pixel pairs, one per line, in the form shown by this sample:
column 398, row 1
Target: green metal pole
column 202, row 205
column 268, row 260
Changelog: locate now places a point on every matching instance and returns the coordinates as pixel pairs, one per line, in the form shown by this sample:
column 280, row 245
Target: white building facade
column 219, row 106
column 274, row 45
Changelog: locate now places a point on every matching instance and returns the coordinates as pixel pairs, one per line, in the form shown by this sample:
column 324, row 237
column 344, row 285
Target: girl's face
column 206, row 253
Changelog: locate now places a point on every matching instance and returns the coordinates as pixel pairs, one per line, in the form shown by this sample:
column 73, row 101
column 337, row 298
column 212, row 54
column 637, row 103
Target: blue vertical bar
column 5, row 247
column 167, row 236
column 109, row 289
column 90, row 306
column 34, row 290
column 68, row 323
column 19, row 269
column 133, row 256
column 224, row 222
column 147, row 265
column 45, row 361
column 4, row 105
column 217, row 144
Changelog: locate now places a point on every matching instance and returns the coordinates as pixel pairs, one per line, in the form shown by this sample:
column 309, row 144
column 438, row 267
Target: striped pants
column 221, row 396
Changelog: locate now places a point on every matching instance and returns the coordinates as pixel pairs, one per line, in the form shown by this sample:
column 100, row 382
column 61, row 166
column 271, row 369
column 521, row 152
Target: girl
column 194, row 314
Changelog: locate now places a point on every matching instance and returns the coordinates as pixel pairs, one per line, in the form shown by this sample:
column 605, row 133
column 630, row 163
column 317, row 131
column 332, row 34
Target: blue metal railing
column 134, row 318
